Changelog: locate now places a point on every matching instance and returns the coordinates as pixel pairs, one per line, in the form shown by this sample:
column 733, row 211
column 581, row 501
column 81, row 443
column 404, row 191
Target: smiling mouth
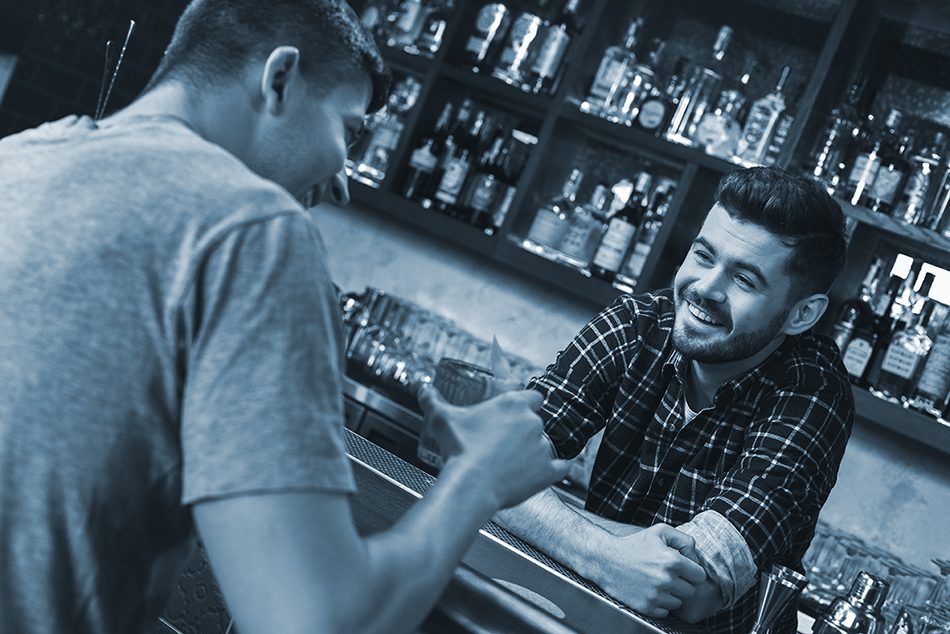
column 702, row 316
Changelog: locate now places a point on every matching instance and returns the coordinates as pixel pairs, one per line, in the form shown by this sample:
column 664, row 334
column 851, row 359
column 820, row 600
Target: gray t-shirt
column 168, row 334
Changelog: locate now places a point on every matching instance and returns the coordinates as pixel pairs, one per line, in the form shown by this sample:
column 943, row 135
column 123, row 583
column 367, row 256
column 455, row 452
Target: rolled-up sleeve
column 723, row 553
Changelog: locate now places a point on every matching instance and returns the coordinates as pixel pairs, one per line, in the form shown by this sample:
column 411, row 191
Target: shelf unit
column 843, row 36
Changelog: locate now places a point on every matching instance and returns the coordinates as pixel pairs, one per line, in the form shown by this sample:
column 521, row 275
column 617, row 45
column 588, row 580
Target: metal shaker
column 857, row 613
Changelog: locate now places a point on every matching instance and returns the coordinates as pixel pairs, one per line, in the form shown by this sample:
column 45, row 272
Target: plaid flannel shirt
column 765, row 455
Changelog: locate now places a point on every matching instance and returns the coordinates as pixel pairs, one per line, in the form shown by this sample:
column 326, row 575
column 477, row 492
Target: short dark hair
column 215, row 39
column 799, row 211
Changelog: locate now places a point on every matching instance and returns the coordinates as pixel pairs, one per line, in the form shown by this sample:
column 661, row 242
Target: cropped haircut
column 214, row 40
column 797, row 210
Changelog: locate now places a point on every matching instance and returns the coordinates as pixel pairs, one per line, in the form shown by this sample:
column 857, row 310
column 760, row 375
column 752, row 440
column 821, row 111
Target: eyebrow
column 742, row 264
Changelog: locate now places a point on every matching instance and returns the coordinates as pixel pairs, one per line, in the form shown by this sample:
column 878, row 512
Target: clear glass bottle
column 637, row 87
column 608, row 80
column 933, row 385
column 422, row 166
column 373, row 164
column 702, row 88
column 657, row 108
column 585, row 229
column 514, row 64
column 719, row 130
column 621, row 230
column 760, row 124
column 916, row 200
column 553, row 219
column 908, row 348
column 549, row 61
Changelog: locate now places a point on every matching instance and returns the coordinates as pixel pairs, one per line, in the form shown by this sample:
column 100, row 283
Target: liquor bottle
column 511, row 163
column 908, row 348
column 512, row 68
column 760, row 124
column 430, row 40
column 703, row 86
column 828, row 154
column 646, row 236
column 482, row 188
column 608, row 80
column 882, row 194
column 422, row 166
column 857, row 310
column 412, row 17
column 546, row 68
column 719, row 131
column 585, row 230
column 859, row 352
column 621, row 229
column 899, row 316
column 453, row 179
column 373, row 164
column 657, row 109
column 491, row 28
column 867, row 162
column 916, row 199
column 933, row 384
column 553, row 219
column 637, row 86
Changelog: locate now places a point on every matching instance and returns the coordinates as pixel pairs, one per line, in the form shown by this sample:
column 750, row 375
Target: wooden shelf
column 918, row 427
column 495, row 90
column 628, row 138
column 917, row 235
column 429, row 220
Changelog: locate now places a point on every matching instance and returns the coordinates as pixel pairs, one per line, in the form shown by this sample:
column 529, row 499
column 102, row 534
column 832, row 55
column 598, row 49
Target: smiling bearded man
column 725, row 418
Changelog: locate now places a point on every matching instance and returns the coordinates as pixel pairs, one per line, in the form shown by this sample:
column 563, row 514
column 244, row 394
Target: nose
column 710, row 286
column 338, row 192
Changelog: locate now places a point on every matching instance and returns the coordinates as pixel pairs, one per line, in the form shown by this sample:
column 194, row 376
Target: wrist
column 465, row 479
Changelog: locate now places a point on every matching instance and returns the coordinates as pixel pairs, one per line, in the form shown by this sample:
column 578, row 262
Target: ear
column 281, row 75
column 805, row 314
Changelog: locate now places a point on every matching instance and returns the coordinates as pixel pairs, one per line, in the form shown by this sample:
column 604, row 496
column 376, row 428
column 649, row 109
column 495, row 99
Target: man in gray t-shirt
column 171, row 351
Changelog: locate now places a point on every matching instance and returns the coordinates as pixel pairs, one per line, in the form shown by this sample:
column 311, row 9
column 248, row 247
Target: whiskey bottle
column 719, row 131
column 547, row 65
column 933, row 385
column 702, row 89
column 637, row 86
column 908, row 348
column 553, row 219
column 621, row 229
column 422, row 165
column 585, row 229
column 859, row 351
column 491, row 28
column 515, row 61
column 918, row 194
column 882, row 193
column 857, row 310
column 761, row 122
column 646, row 236
column 657, row 109
column 608, row 81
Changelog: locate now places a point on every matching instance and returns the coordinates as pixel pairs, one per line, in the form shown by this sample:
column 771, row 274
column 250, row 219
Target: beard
column 724, row 348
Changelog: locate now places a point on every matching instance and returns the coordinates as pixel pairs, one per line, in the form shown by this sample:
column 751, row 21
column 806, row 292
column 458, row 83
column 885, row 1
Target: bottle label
column 935, row 379
column 885, row 184
column 484, row 188
column 865, row 169
column 503, row 204
column 900, row 362
column 387, row 136
column 551, row 54
column 423, row 160
column 614, row 246
column 637, row 259
column 475, row 44
column 856, row 357
column 608, row 75
column 548, row 228
column 576, row 239
column 652, row 114
column 452, row 180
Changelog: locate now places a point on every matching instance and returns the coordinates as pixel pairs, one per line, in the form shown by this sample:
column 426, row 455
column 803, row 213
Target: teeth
column 702, row 316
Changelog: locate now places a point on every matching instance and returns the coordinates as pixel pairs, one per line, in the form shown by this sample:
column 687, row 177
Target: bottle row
column 699, row 105
column 895, row 339
column 468, row 164
column 415, row 26
column 885, row 166
column 610, row 236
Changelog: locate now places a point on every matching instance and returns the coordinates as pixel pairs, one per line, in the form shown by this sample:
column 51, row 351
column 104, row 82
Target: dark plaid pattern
column 765, row 455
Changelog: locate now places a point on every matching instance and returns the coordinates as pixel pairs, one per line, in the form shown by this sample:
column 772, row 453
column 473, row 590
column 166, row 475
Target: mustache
column 693, row 298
